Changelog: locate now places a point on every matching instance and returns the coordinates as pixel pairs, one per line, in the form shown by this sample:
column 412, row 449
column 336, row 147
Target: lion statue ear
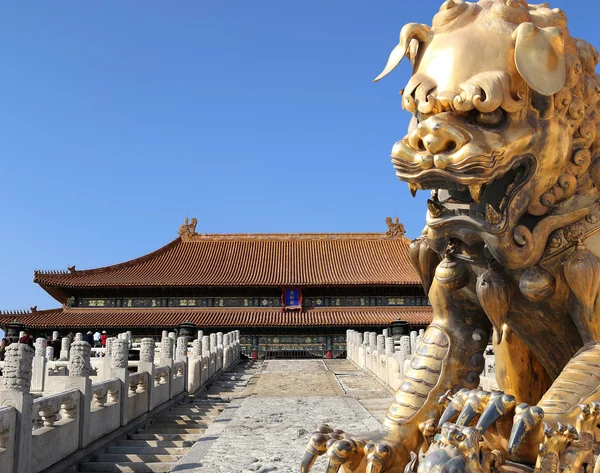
column 411, row 31
column 540, row 57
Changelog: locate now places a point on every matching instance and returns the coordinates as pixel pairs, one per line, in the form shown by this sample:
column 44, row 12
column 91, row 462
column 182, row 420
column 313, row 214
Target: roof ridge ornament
column 395, row 228
column 188, row 229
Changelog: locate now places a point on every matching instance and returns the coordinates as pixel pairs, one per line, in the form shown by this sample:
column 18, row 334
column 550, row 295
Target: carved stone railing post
column 213, row 355
column 197, row 349
column 49, row 353
column 78, row 337
column 219, row 351
column 39, row 366
column 80, row 370
column 119, row 357
column 173, row 337
column 405, row 345
column 360, row 351
column 194, row 380
column 205, row 374
column 413, row 341
column 181, row 354
column 147, row 354
column 366, row 337
column 104, row 368
column 236, row 345
column 166, row 359
column 15, row 392
column 226, row 352
column 64, row 348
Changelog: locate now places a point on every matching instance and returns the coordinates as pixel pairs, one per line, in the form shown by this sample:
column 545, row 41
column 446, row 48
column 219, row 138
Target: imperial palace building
column 289, row 294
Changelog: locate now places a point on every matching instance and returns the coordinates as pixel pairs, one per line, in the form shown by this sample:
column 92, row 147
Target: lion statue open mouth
column 506, row 110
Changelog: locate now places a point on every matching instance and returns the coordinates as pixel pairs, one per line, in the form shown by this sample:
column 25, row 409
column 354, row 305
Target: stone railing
column 386, row 357
column 8, row 420
column 55, row 418
column 55, row 409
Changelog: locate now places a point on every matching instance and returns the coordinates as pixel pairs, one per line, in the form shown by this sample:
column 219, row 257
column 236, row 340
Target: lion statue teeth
column 504, row 135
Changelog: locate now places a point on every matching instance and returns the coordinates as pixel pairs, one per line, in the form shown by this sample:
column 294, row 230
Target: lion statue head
column 505, row 108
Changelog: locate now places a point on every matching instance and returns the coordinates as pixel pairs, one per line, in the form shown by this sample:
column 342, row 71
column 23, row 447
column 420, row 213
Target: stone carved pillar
column 181, row 355
column 109, row 342
column 213, row 355
column 147, row 354
column 38, row 376
column 413, row 341
column 386, row 332
column 200, row 334
column 389, row 346
column 205, row 359
column 64, row 349
column 405, row 345
column 55, row 335
column 79, row 360
column 197, row 349
column 166, row 352
column 40, row 347
column 80, row 370
column 50, row 353
column 219, row 353
column 147, row 350
column 14, row 392
column 173, row 337
column 226, row 352
column 194, row 368
column 119, row 358
column 165, row 334
column 119, row 354
column 181, row 351
column 367, row 343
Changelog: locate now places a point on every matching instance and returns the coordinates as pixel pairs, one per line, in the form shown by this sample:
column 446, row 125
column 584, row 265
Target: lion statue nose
column 437, row 136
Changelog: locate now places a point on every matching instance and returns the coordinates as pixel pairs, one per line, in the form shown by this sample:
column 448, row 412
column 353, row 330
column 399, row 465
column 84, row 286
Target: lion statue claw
column 505, row 136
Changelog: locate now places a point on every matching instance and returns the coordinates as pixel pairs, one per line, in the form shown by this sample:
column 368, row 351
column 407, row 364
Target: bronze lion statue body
column 505, row 136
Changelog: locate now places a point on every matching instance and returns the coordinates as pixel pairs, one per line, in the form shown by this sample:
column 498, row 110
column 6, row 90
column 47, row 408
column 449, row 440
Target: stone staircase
column 371, row 393
column 160, row 445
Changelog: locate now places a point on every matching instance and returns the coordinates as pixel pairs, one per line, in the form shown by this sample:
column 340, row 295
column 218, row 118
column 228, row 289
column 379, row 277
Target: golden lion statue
column 504, row 134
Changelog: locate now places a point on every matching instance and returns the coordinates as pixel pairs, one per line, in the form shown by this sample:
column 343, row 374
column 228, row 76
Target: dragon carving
column 505, row 136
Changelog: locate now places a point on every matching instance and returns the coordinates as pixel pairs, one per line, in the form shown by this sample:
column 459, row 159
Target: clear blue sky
column 120, row 118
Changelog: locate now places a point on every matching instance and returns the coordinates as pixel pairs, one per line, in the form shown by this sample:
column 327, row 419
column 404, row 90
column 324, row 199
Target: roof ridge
column 300, row 236
column 187, row 232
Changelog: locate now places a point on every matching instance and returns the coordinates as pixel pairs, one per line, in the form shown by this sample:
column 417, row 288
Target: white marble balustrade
column 59, row 407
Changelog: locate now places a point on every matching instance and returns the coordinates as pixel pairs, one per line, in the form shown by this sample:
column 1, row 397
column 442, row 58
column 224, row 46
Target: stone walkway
column 266, row 427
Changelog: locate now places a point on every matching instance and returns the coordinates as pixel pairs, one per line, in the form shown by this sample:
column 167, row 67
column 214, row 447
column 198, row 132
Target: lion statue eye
column 493, row 119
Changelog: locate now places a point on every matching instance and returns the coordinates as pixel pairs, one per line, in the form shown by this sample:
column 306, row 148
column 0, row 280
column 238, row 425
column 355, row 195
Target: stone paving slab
column 269, row 434
column 268, row 429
